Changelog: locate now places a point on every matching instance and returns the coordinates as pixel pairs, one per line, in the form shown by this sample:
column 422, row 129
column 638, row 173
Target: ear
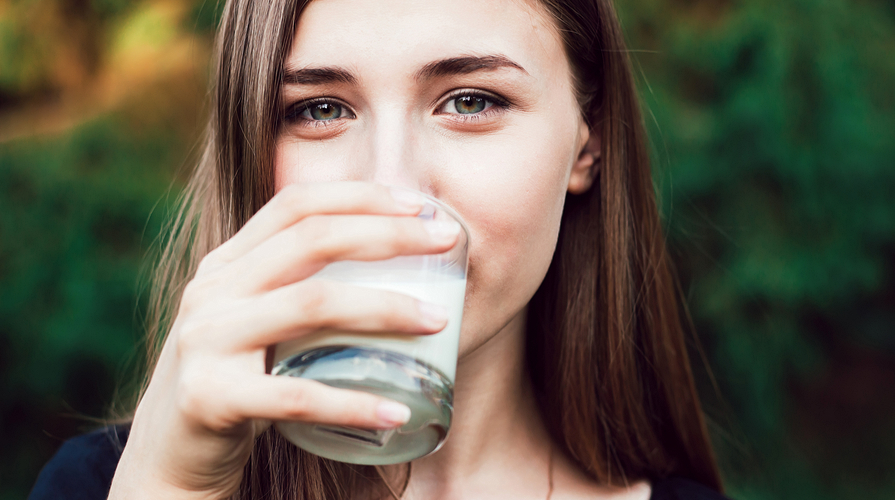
column 587, row 165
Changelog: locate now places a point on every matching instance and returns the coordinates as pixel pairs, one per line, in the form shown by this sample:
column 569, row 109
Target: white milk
column 438, row 350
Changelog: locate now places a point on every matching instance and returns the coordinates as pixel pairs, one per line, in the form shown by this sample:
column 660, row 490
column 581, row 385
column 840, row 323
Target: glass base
column 423, row 388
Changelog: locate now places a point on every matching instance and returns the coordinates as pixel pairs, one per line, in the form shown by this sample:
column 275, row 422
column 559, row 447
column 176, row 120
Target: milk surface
column 438, row 350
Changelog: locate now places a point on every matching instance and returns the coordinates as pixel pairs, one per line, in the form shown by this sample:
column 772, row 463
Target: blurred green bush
column 73, row 232
column 773, row 126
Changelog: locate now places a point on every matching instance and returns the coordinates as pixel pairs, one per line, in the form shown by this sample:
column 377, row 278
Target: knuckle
column 190, row 297
column 314, row 228
column 402, row 311
column 291, row 198
column 400, row 305
column 378, row 193
column 223, row 254
column 190, row 335
column 202, row 287
column 298, row 404
column 314, row 234
column 405, row 233
column 314, row 298
column 192, row 394
column 212, row 260
column 289, row 194
column 195, row 293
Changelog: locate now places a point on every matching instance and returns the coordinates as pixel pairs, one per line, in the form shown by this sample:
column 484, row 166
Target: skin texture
column 505, row 169
column 497, row 169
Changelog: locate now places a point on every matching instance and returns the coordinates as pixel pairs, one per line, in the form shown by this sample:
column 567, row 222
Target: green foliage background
column 773, row 128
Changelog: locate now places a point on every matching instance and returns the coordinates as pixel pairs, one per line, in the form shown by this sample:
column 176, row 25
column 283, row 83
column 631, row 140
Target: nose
column 391, row 152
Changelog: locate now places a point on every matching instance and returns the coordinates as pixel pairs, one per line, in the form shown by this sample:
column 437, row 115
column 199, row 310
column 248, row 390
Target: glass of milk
column 415, row 370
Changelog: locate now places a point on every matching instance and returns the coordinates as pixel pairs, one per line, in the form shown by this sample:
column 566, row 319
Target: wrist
column 142, row 489
column 134, row 481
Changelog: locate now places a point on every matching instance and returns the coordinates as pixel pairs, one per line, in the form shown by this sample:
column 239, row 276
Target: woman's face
column 470, row 101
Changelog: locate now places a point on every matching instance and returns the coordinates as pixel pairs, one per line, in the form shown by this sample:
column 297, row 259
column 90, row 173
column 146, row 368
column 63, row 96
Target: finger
column 297, row 201
column 303, row 249
column 296, row 399
column 291, row 311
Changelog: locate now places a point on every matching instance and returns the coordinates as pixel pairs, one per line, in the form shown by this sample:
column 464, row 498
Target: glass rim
column 441, row 205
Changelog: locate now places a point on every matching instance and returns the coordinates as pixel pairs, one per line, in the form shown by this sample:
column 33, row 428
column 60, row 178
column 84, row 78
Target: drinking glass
column 415, row 370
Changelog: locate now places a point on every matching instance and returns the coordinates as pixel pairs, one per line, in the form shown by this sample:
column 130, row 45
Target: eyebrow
column 444, row 67
column 465, row 65
column 318, row 76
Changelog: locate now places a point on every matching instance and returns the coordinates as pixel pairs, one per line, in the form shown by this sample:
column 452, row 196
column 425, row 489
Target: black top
column 83, row 467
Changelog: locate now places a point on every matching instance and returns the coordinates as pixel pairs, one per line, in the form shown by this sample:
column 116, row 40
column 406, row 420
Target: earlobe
column 587, row 165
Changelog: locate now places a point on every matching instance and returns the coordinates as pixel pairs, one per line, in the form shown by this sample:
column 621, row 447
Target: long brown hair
column 606, row 347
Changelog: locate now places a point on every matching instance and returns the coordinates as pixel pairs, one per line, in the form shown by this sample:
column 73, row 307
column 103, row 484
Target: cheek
column 508, row 185
column 329, row 163
column 513, row 194
column 516, row 210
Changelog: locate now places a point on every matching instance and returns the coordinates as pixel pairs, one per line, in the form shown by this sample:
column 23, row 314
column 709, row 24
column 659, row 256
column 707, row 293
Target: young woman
column 573, row 380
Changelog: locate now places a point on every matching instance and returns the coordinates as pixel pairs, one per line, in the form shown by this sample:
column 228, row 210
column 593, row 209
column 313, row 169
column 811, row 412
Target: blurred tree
column 63, row 62
column 774, row 128
column 100, row 103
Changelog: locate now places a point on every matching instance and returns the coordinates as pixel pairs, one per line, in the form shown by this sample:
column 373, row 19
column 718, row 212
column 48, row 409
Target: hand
column 210, row 394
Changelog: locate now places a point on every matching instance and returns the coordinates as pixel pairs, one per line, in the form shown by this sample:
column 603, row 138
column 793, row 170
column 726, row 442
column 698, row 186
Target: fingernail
column 407, row 199
column 433, row 313
column 393, row 413
column 442, row 231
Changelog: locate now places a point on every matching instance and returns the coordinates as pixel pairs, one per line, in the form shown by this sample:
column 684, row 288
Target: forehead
column 387, row 35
